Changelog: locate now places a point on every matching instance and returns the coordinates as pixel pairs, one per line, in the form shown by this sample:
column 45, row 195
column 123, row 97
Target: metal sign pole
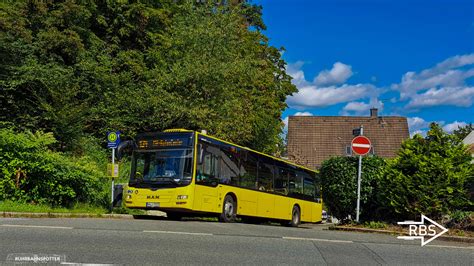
column 112, row 189
column 358, row 188
column 359, row 177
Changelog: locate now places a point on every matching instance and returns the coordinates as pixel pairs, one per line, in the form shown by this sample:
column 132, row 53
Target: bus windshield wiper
column 163, row 178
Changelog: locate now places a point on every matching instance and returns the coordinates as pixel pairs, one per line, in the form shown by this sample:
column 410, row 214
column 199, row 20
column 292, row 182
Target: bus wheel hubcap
column 229, row 209
column 295, row 217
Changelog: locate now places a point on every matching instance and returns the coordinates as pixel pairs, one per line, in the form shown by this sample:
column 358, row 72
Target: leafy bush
column 339, row 182
column 375, row 225
column 30, row 172
column 463, row 220
column 430, row 176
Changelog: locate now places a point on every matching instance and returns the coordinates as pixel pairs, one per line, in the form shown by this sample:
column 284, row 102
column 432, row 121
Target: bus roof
column 181, row 130
column 261, row 153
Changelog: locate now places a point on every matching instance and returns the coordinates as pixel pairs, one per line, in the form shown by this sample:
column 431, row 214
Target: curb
column 62, row 215
column 388, row 232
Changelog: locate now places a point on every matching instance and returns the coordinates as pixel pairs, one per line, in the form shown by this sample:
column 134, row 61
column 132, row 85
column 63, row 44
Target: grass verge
column 12, row 206
column 401, row 229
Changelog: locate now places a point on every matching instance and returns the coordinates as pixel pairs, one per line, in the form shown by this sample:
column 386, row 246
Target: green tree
column 85, row 67
column 430, row 176
column 339, row 183
column 462, row 132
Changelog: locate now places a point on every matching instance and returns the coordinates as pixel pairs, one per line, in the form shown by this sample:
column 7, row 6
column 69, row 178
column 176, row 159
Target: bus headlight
column 182, row 197
column 129, row 197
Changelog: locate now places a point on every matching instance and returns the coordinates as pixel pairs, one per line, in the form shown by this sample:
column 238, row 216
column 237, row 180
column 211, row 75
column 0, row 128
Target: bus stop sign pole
column 113, row 181
column 113, row 140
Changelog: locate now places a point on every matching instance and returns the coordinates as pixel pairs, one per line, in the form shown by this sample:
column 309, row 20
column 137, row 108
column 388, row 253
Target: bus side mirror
column 125, row 147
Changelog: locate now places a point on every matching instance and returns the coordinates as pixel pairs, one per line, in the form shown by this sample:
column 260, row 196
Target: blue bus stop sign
column 113, row 139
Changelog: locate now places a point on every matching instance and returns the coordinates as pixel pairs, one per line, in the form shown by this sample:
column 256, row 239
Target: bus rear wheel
column 295, row 216
column 229, row 210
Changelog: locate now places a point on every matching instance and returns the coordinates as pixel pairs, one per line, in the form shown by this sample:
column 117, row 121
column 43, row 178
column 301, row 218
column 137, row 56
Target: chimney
column 373, row 112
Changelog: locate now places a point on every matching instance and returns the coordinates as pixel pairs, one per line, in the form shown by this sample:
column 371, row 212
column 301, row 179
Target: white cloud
column 313, row 96
column 418, row 125
column 415, row 123
column 361, row 108
column 324, row 91
column 453, row 126
column 303, row 114
column 456, row 96
column 443, row 84
column 338, row 74
column 421, row 132
column 294, row 70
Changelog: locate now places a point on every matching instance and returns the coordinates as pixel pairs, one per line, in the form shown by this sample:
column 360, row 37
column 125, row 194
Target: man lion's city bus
column 183, row 172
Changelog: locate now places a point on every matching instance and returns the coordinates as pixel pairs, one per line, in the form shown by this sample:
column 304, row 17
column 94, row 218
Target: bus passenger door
column 207, row 179
column 266, row 200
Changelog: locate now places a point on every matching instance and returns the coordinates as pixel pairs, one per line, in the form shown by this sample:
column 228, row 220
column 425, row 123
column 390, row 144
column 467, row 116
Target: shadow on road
column 261, row 222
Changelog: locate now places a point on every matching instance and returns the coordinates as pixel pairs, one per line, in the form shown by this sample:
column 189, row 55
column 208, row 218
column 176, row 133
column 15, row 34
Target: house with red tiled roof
column 313, row 139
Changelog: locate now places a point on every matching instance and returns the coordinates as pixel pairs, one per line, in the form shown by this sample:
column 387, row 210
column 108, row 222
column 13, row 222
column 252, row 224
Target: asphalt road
column 138, row 242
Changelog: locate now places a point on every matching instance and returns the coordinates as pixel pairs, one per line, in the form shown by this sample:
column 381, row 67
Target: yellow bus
column 183, row 172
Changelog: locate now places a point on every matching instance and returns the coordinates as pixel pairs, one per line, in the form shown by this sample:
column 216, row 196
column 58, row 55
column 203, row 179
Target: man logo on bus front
column 419, row 230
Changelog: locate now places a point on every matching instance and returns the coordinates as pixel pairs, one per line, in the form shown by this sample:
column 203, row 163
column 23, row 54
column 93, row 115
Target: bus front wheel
column 229, row 210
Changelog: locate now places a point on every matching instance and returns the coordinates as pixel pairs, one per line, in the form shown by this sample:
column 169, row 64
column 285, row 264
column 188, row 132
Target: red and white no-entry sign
column 361, row 145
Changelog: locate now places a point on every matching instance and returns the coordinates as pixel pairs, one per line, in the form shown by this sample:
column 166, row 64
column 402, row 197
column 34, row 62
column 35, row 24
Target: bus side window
column 281, row 180
column 265, row 174
column 229, row 171
column 248, row 170
column 309, row 188
column 208, row 169
column 296, row 183
column 317, row 188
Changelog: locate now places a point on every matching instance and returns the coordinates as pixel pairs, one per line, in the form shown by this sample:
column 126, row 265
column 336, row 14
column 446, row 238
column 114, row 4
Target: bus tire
column 295, row 216
column 229, row 210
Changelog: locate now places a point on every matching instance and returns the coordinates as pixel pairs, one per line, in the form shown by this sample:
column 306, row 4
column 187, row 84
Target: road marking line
column 36, row 226
column 178, row 233
column 317, row 239
column 77, row 263
column 440, row 246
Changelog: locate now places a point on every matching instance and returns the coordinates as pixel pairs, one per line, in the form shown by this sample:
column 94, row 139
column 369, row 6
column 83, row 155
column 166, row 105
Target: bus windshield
column 167, row 167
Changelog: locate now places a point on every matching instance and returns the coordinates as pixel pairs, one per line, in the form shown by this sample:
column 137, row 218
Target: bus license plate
column 152, row 204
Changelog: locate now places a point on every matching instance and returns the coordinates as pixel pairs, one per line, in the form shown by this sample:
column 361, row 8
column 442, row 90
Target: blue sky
column 408, row 58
